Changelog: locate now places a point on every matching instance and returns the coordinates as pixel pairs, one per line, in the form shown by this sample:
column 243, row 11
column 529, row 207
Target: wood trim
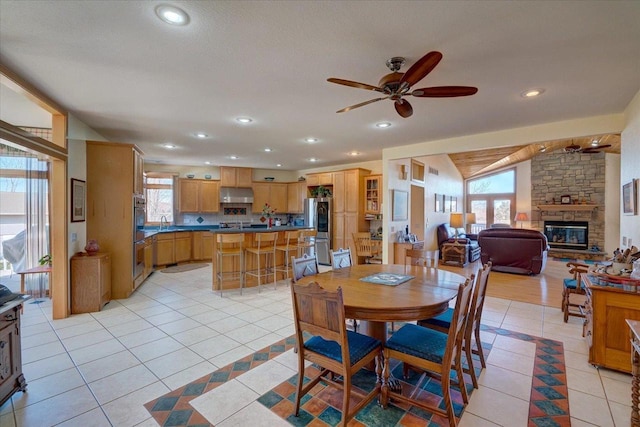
column 58, row 223
column 567, row 207
column 9, row 78
column 25, row 140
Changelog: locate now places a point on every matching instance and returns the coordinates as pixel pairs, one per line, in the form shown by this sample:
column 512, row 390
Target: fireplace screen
column 567, row 234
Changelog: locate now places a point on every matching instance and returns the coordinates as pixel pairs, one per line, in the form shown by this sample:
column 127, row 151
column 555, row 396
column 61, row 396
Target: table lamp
column 521, row 216
column 456, row 220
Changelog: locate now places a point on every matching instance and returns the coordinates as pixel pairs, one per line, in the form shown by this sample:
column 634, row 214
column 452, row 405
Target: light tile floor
column 99, row 369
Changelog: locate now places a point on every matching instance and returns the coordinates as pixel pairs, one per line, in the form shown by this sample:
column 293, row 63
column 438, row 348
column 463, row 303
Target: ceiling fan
column 594, row 148
column 396, row 85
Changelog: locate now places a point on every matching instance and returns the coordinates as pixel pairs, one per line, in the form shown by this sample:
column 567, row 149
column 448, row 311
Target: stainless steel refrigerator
column 317, row 214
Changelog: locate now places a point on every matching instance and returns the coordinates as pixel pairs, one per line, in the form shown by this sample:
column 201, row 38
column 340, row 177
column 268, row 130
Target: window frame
column 149, row 186
column 492, row 197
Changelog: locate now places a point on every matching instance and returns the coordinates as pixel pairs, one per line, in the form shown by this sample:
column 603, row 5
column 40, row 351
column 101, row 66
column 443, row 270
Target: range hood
column 236, row 195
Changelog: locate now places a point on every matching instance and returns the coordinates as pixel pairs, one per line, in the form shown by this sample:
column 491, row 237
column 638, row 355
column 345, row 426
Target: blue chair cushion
column 421, row 342
column 443, row 320
column 359, row 346
column 570, row 283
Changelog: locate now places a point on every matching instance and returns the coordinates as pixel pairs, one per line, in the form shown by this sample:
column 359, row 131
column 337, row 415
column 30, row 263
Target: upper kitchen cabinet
column 373, row 195
column 273, row 193
column 316, row 179
column 296, row 193
column 197, row 195
column 112, row 169
column 236, row 177
column 138, row 173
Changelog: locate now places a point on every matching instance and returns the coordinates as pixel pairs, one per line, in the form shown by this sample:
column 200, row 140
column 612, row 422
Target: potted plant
column 45, row 260
column 321, row 191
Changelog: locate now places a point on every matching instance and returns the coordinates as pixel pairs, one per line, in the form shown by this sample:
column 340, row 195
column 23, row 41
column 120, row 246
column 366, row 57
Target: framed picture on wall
column 629, row 202
column 437, row 207
column 454, row 204
column 400, row 205
column 447, row 204
column 78, row 195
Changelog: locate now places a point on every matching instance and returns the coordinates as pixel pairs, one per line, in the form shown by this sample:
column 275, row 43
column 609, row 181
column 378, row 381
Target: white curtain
column 37, row 219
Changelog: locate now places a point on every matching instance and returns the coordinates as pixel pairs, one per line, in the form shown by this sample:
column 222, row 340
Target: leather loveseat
column 446, row 234
column 514, row 250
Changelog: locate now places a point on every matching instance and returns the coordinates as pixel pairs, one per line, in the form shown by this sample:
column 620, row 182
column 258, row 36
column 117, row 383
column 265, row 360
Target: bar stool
column 288, row 249
column 265, row 244
column 307, row 242
column 231, row 245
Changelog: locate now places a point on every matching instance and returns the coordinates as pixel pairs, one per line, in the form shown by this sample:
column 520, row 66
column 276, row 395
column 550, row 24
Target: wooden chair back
column 424, row 258
column 231, row 238
column 265, row 241
column 320, row 313
column 476, row 306
column 306, row 241
column 304, row 266
column 363, row 244
column 576, row 269
column 341, row 258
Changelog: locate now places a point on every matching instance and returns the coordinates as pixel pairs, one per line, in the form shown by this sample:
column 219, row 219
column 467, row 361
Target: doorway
column 417, row 212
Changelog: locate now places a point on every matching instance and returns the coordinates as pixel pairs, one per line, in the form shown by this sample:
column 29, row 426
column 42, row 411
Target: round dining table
column 425, row 294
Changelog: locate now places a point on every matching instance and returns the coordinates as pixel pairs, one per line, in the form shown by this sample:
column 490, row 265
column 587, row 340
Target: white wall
column 630, row 168
column 612, row 203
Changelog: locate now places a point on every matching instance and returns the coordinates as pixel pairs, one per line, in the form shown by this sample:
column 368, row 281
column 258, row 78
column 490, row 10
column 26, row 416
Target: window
column 492, row 198
column 159, row 192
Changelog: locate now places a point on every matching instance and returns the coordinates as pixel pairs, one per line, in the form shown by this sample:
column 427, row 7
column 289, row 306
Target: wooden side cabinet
column 11, row 377
column 90, row 282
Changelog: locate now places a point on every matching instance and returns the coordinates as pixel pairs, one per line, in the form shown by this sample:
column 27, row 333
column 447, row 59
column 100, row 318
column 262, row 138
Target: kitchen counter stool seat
column 265, row 247
column 307, row 242
column 231, row 245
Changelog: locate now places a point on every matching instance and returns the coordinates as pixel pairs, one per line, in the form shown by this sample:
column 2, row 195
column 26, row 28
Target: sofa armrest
column 472, row 236
column 459, row 240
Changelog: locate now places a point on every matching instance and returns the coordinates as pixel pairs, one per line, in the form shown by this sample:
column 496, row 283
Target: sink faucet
column 163, row 222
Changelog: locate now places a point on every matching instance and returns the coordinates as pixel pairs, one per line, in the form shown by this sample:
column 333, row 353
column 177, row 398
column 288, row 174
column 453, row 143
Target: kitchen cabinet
column 236, row 177
column 182, row 246
column 202, row 245
column 273, row 193
column 373, row 194
column 11, row 378
column 138, row 173
column 90, row 282
column 605, row 328
column 316, row 179
column 149, row 244
column 165, row 254
column 111, row 179
column 296, row 193
column 348, row 212
column 197, row 195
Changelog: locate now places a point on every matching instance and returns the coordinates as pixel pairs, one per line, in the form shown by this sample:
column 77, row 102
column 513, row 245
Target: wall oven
column 139, row 217
column 138, row 258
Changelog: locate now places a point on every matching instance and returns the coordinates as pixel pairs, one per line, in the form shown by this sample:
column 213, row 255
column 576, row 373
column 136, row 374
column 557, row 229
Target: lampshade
column 456, row 220
column 471, row 218
column 521, row 216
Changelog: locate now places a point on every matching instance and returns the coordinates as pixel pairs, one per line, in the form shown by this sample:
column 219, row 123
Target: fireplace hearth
column 567, row 234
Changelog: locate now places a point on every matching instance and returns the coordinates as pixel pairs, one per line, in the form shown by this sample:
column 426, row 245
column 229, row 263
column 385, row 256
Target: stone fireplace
column 580, row 176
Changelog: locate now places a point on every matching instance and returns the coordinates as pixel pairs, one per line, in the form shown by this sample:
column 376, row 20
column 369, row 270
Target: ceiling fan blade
column 354, row 84
column 596, row 149
column 420, row 69
column 362, row 104
column 403, row 108
column 445, row 91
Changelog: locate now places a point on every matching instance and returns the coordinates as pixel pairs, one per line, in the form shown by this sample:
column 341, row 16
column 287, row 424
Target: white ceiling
column 133, row 78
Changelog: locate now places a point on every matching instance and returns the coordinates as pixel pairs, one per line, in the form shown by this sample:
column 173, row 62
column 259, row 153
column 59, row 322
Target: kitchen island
column 230, row 266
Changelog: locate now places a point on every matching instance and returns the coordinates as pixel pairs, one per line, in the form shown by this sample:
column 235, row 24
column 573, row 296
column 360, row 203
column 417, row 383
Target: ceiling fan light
column 595, row 143
column 543, row 149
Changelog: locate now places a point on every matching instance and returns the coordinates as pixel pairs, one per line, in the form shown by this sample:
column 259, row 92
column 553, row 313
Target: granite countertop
column 216, row 229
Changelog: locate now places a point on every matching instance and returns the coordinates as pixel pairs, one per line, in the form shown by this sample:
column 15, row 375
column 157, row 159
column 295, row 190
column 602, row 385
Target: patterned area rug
column 184, row 267
column 549, row 403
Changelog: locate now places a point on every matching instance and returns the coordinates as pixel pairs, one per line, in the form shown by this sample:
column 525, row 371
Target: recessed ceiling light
column 532, row 93
column 201, row 135
column 169, row 146
column 279, row 165
column 383, row 124
column 313, row 159
column 233, row 157
column 244, row 120
column 595, row 143
column 354, row 153
column 311, row 140
column 542, row 149
column 268, row 150
column 207, row 163
column 172, row 15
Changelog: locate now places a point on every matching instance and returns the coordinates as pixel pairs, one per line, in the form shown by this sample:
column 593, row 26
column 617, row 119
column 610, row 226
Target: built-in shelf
column 567, row 208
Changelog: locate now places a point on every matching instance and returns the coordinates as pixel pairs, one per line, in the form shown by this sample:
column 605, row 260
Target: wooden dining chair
column 432, row 352
column 365, row 248
column 304, row 266
column 341, row 258
column 421, row 257
column 442, row 323
column 573, row 286
column 339, row 353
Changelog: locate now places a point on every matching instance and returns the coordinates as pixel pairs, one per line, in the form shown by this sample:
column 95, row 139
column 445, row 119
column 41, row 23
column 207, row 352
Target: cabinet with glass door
column 373, row 194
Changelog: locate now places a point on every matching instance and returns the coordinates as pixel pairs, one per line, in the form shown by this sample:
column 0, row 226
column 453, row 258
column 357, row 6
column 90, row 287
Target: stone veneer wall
column 582, row 176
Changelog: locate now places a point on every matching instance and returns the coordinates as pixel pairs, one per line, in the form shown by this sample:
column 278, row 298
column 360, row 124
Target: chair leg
column 472, row 371
column 346, row 383
column 565, row 304
column 446, row 397
column 461, row 383
column 384, row 394
column 479, row 345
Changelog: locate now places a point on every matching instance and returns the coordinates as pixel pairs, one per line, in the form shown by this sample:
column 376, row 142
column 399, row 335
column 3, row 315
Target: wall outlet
column 74, row 237
column 624, row 241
